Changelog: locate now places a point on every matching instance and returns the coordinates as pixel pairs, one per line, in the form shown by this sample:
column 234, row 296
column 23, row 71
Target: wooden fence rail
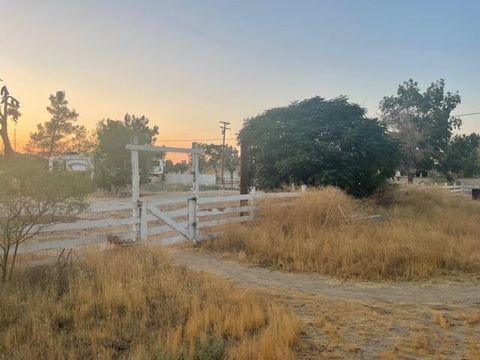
column 163, row 220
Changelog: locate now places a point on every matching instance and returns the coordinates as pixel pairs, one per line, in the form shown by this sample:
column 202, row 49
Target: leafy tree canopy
column 232, row 159
column 179, row 167
column 113, row 160
column 212, row 157
column 461, row 157
column 422, row 122
column 319, row 142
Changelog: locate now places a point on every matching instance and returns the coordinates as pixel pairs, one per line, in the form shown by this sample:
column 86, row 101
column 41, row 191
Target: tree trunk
column 12, row 265
column 7, row 146
column 4, row 264
column 52, row 144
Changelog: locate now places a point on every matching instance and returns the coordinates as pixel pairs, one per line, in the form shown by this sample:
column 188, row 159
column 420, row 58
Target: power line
column 468, row 114
column 181, row 140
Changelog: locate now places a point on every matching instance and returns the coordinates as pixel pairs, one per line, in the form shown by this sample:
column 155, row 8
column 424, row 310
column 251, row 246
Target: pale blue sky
column 188, row 64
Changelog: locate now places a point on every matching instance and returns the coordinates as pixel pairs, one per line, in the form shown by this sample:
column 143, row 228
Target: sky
column 187, row 65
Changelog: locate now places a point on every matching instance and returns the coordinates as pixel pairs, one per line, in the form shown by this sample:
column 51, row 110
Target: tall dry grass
column 132, row 304
column 427, row 233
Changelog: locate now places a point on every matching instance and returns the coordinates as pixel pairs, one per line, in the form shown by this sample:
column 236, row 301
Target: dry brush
column 427, row 233
column 131, row 303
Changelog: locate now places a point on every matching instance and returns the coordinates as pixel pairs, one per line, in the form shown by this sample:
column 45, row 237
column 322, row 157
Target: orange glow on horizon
column 20, row 135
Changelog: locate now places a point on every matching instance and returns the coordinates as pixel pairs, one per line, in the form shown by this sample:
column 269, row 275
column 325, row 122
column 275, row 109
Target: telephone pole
column 224, row 127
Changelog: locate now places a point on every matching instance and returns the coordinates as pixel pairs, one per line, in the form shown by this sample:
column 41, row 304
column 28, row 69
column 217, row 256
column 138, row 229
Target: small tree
column 460, row 157
column 179, row 167
column 113, row 160
column 8, row 110
column 56, row 135
column 31, row 198
column 232, row 161
column 212, row 156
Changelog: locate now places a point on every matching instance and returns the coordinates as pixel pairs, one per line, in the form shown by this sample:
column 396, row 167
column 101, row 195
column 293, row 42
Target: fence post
column 144, row 220
column 192, row 218
column 195, row 169
column 135, row 187
column 244, row 175
column 192, row 202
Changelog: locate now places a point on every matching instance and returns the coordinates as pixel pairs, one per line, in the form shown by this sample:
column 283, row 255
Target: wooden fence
column 163, row 220
column 458, row 189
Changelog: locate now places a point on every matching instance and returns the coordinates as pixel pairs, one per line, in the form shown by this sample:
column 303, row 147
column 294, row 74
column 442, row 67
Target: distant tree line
column 332, row 142
column 314, row 141
column 62, row 135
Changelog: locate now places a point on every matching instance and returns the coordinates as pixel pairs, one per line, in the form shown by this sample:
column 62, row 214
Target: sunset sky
column 188, row 64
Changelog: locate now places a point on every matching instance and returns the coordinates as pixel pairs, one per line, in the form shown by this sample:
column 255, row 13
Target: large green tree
column 422, row 123
column 112, row 160
column 319, row 142
column 59, row 134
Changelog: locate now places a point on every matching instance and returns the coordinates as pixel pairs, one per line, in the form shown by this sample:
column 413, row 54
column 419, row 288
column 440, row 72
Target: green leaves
column 54, row 137
column 421, row 122
column 461, row 157
column 319, row 142
column 112, row 159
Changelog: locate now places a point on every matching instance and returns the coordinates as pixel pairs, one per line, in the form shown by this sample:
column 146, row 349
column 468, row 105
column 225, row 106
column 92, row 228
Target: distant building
column 158, row 167
column 72, row 162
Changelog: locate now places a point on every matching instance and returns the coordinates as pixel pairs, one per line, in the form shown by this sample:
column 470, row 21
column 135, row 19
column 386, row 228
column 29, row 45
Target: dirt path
column 360, row 320
column 254, row 276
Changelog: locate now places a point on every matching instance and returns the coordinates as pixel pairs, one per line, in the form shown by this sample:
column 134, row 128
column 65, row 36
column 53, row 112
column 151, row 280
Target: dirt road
column 254, row 276
column 362, row 320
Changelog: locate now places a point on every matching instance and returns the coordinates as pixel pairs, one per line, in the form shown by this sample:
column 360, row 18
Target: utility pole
column 224, row 127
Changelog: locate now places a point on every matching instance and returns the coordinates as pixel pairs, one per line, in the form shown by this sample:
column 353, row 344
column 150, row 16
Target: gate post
column 195, row 169
column 192, row 202
column 144, row 220
column 192, row 218
column 135, row 187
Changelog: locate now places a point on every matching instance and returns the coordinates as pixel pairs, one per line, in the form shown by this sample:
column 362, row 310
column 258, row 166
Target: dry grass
column 350, row 329
column 428, row 233
column 131, row 303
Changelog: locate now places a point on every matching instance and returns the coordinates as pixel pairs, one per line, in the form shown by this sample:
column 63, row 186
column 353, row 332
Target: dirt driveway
column 362, row 320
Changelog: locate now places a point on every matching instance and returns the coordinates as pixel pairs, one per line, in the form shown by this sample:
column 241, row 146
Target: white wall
column 187, row 179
